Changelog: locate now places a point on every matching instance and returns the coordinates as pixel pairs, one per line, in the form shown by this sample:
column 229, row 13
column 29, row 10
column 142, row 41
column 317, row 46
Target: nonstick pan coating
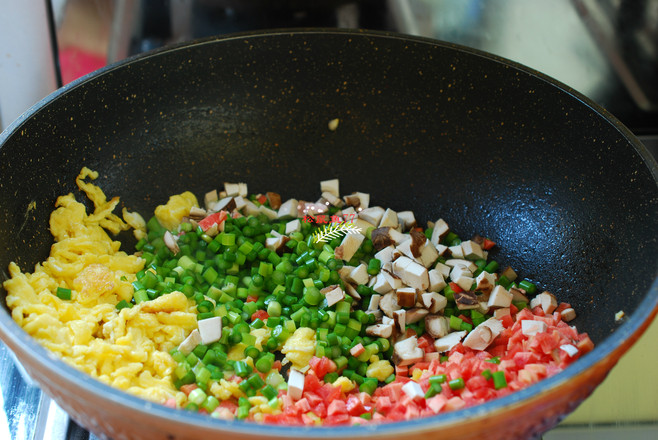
column 567, row 193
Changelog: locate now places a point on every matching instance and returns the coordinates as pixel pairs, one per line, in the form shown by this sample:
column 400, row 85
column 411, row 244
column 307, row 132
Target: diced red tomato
column 354, row 406
column 488, row 244
column 426, row 342
column 213, row 219
column 262, row 199
column 259, row 314
column 523, row 359
column 251, row 298
column 311, row 383
column 187, row 389
column 322, row 366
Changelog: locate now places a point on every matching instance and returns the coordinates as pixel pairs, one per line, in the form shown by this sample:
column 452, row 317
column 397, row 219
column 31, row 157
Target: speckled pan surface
column 494, row 148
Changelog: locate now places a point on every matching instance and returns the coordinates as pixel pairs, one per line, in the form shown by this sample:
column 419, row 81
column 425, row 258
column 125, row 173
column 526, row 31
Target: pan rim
column 632, row 328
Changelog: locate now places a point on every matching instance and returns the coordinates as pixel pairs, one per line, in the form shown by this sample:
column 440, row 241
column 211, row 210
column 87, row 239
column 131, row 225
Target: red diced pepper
column 465, row 319
column 455, row 287
column 488, row 244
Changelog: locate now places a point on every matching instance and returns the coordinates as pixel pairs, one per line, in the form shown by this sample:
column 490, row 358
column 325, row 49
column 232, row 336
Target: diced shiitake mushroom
column 411, row 273
column 484, row 334
column 406, row 296
column 546, row 301
column 437, row 326
column 288, row 209
column 372, row 215
column 389, row 304
column 447, row 342
column 359, row 275
column 393, row 280
column 437, row 282
column 415, row 314
column 331, row 186
column 466, row 300
column 485, row 282
column 500, row 297
column 358, row 200
column 374, row 301
column 400, row 319
column 389, row 219
column 171, row 243
column 439, row 231
column 471, row 250
column 518, row 294
column 190, row 343
column 333, row 294
column 349, row 246
column 406, row 220
column 407, row 352
column 380, row 330
column 568, row 314
column 433, row 301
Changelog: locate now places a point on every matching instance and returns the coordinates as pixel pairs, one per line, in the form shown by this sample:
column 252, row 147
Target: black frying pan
column 566, row 191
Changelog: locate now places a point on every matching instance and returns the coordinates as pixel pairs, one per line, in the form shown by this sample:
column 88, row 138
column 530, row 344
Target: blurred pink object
column 74, row 63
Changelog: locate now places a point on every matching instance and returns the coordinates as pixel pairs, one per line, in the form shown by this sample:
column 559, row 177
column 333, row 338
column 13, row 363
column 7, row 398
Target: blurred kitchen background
column 604, row 49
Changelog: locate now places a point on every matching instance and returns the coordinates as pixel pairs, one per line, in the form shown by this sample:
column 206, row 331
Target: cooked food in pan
column 249, row 306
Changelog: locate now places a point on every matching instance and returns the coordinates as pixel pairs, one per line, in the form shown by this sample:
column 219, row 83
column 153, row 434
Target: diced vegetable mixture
column 336, row 311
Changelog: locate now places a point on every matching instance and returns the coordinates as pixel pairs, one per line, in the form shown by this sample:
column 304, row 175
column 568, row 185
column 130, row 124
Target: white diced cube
column 406, row 220
column 452, row 262
column 372, row 215
column 465, row 282
column 381, row 285
column 442, row 269
column 293, row 226
column 349, row 246
column 333, row 296
column 190, row 343
column 472, row 250
column 500, row 297
column 456, row 251
column 389, row 219
column 288, row 209
column 330, row 186
column 385, row 255
column 440, row 229
column 437, row 283
column 359, row 274
column 232, row 189
column 447, row 342
column 210, row 329
column 295, row 384
column 413, row 390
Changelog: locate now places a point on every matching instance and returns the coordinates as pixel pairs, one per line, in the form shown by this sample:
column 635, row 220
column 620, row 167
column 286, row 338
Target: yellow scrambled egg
column 178, row 206
column 127, row 349
column 300, row 347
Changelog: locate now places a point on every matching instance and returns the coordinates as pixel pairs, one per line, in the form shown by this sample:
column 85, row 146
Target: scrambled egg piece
column 178, row 206
column 300, row 347
column 127, row 349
